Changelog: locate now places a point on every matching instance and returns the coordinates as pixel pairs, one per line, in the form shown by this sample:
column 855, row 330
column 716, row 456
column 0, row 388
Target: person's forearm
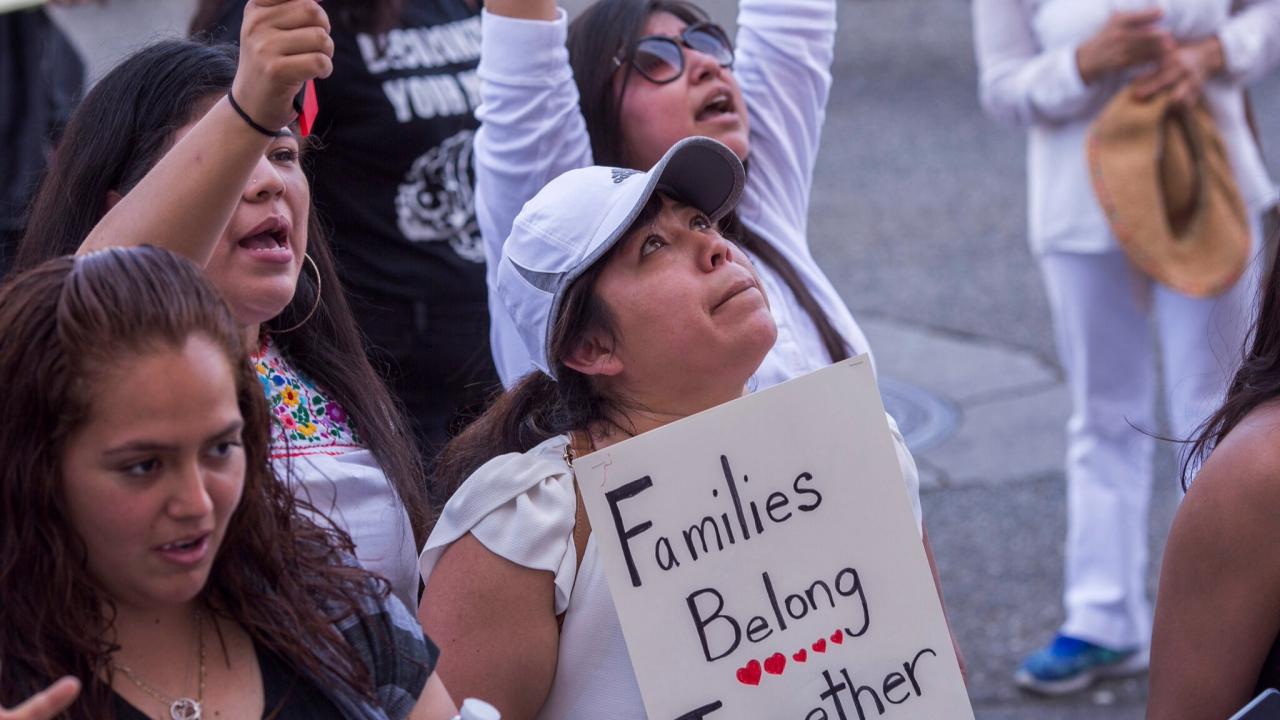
column 523, row 9
column 186, row 200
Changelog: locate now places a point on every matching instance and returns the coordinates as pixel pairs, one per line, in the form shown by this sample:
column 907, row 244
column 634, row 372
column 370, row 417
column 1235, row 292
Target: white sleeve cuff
column 789, row 16
column 1073, row 85
column 519, row 51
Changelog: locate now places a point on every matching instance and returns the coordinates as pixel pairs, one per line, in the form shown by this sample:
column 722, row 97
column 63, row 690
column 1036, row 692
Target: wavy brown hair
column 280, row 575
column 118, row 133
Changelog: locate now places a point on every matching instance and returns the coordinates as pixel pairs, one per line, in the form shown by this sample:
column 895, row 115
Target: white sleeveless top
column 522, row 506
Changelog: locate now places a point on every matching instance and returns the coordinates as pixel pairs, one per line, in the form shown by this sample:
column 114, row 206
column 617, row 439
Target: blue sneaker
column 1070, row 665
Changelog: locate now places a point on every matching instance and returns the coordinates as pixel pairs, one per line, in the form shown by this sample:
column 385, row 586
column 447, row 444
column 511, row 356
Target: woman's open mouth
column 186, row 552
column 269, row 240
column 717, row 106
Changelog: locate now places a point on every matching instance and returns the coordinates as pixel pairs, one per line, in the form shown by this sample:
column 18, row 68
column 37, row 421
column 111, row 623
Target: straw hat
column 1162, row 176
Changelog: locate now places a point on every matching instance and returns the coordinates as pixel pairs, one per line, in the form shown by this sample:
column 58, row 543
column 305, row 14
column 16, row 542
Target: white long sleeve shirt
column 1028, row 77
column 532, row 131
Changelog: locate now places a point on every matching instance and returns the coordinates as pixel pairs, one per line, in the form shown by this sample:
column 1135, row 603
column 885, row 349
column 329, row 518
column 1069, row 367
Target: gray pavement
column 919, row 218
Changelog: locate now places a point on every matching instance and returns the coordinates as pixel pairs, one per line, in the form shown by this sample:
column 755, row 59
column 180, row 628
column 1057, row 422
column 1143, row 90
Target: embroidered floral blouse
column 308, row 421
column 317, row 451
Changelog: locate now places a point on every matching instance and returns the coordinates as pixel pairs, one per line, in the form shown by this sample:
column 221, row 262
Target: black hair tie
column 245, row 116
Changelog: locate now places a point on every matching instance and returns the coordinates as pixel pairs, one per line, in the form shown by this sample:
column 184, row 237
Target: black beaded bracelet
column 245, row 116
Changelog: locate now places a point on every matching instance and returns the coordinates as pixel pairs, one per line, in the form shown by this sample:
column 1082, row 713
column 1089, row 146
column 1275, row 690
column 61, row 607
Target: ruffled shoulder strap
column 520, row 506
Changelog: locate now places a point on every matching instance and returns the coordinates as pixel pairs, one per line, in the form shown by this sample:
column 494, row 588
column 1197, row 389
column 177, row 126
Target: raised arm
column 783, row 64
column 185, row 202
column 531, row 130
column 523, row 9
column 1022, row 83
column 1215, row 617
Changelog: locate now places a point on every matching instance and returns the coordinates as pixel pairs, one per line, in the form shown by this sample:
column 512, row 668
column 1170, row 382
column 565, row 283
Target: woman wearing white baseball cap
column 637, row 312
column 625, row 81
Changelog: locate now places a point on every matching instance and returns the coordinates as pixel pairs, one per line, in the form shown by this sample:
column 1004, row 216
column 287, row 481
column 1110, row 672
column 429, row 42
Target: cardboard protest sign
column 765, row 562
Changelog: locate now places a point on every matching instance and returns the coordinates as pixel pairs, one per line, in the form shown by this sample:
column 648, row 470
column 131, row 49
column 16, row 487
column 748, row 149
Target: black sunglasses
column 660, row 59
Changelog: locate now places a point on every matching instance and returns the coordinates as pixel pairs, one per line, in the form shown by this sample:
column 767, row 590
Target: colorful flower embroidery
column 308, row 420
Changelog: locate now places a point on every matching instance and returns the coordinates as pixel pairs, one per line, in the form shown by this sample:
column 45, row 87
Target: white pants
column 1103, row 310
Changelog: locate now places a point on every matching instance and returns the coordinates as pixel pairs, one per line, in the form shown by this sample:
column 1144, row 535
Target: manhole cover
column 926, row 420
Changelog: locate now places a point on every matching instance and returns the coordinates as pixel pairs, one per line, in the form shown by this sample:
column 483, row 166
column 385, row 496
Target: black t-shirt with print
column 393, row 175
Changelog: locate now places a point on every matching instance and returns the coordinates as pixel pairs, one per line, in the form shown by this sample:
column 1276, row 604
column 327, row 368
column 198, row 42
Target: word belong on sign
column 820, row 595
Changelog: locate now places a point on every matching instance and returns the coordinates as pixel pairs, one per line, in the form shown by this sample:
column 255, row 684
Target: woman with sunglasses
column 638, row 76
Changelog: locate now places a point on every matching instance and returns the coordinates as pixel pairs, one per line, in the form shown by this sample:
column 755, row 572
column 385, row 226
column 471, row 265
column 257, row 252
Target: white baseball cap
column 573, row 221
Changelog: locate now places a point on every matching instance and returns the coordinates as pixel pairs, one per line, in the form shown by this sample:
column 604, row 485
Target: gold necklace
column 183, row 708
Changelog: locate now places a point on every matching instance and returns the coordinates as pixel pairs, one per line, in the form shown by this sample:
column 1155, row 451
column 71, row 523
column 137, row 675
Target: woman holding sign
column 159, row 153
column 637, row 311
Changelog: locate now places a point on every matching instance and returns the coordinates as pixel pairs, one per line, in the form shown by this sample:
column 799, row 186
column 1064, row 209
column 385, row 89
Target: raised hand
column 47, row 704
column 283, row 43
column 1128, row 39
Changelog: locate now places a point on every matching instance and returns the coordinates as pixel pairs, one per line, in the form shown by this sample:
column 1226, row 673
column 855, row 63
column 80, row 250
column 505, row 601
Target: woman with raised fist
column 180, row 148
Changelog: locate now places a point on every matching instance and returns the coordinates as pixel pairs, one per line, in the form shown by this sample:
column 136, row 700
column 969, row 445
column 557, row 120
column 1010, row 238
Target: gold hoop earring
column 315, row 306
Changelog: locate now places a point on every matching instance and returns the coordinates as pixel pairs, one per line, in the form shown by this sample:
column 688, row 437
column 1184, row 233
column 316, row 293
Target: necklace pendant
column 184, row 709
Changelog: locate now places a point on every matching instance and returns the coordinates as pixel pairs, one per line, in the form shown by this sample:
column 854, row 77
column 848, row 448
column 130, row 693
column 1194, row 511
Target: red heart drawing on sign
column 800, row 655
column 837, row 637
column 750, row 673
column 775, row 663
column 820, row 646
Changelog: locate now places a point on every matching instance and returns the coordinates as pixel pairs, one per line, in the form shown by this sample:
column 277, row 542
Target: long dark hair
column 370, row 16
column 1255, row 383
column 596, row 38
column 119, row 132
column 278, row 574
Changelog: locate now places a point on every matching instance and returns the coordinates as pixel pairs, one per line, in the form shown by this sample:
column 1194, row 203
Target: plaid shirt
column 397, row 654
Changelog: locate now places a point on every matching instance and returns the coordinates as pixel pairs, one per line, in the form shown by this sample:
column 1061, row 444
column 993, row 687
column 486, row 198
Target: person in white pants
column 1051, row 66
